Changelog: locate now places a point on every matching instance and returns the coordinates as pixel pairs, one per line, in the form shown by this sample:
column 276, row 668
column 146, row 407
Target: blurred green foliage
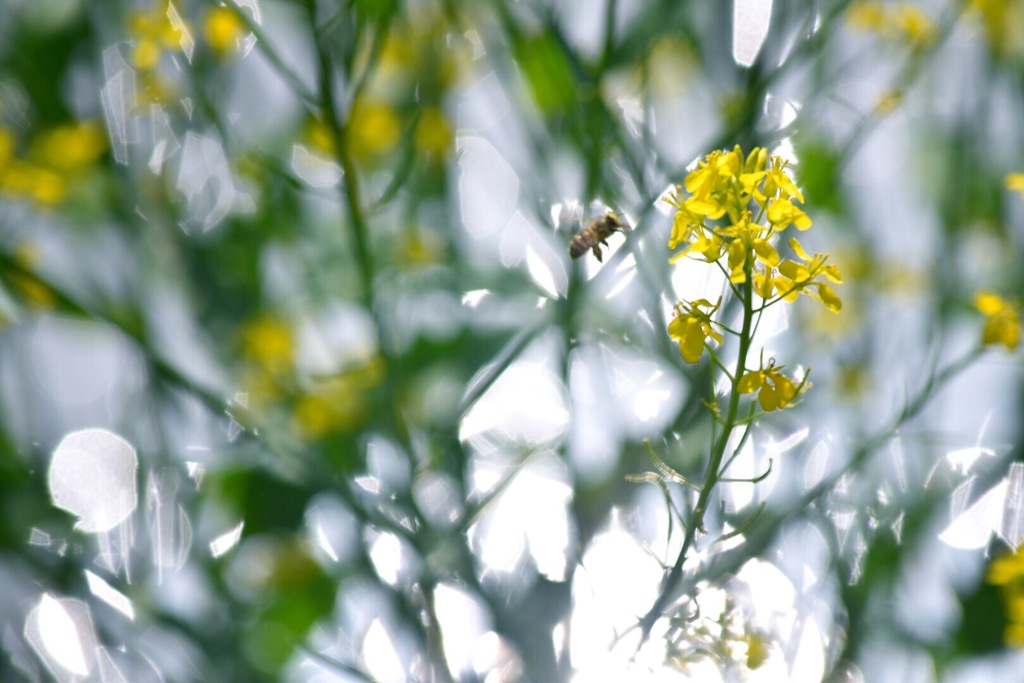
column 321, row 236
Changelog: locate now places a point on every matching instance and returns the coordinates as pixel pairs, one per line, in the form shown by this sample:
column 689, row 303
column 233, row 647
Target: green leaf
column 547, row 71
column 817, row 175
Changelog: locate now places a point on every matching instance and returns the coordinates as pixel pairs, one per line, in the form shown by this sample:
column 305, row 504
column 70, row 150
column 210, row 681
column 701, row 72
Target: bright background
column 298, row 381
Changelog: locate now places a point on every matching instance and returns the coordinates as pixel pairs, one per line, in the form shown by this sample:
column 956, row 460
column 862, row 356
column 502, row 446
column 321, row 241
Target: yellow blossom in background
column 1015, row 183
column 337, row 403
column 888, row 102
column 72, row 147
column 223, row 29
column 913, row 25
column 373, row 129
column 433, row 133
column 1001, row 21
column 902, row 23
column 314, row 406
column 420, row 246
column 867, row 16
column 334, row 406
column 319, row 136
column 154, row 89
column 54, row 162
column 161, row 28
column 24, row 179
column 397, row 54
column 34, row 293
column 1002, row 320
column 1007, row 572
column 7, row 143
column 270, row 343
column 758, row 650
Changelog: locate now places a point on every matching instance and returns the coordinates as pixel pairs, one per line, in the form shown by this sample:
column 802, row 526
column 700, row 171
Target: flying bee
column 595, row 234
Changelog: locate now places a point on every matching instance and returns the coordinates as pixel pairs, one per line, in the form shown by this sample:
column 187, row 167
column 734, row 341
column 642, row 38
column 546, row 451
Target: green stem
column 767, row 529
column 714, row 470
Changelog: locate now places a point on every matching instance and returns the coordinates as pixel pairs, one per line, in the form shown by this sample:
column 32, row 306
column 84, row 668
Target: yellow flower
column 888, row 102
column 1002, row 320
column 783, row 213
column 335, row 406
column 1007, row 572
column 703, row 180
column 1015, row 182
column 913, row 25
column 692, row 326
column 776, row 180
column 775, row 390
column 1014, row 635
column 1001, row 21
column 154, row 31
column 319, row 136
column 337, row 403
column 799, row 278
column 222, row 29
column 898, row 23
column 1006, row 569
column 270, row 343
column 71, row 147
column 867, row 16
column 54, row 162
column 728, row 184
column 7, row 143
column 433, row 134
column 373, row 129
column 758, row 650
column 25, row 179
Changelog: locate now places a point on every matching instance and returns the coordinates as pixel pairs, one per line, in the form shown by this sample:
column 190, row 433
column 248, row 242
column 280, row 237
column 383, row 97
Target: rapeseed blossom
column 154, row 31
column 56, row 159
column 223, row 30
column 1007, row 572
column 1002, row 320
column 902, row 23
column 692, row 327
column 774, row 390
column 730, row 210
column 1015, row 182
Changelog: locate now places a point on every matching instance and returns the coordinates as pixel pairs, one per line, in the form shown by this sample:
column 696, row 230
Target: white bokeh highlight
column 750, row 22
column 92, row 476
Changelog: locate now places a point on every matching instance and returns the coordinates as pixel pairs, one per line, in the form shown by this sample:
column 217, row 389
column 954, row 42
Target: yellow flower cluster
column 725, row 187
column 774, row 390
column 53, row 161
column 318, row 406
column 154, row 31
column 1002, row 320
column 1001, row 21
column 383, row 117
column 733, row 209
column 692, row 326
column 1015, row 182
column 164, row 28
column 1007, row 572
column 903, row 23
column 223, row 30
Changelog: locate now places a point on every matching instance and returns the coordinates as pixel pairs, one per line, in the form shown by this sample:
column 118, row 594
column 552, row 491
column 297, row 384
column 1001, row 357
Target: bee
column 595, row 234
